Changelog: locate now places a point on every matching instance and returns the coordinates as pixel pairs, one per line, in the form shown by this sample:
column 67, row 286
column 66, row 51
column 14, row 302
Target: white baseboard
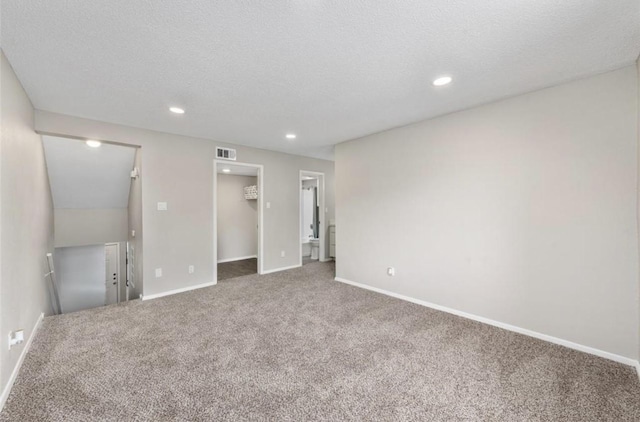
column 240, row 258
column 276, row 270
column 526, row 332
column 176, row 291
column 638, row 369
column 16, row 369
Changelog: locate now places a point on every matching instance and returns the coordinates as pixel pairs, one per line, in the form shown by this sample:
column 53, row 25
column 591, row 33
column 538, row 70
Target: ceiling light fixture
column 93, row 144
column 176, row 110
column 291, row 136
column 443, row 80
column 226, row 170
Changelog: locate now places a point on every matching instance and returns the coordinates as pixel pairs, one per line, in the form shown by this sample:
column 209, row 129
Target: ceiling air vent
column 226, row 153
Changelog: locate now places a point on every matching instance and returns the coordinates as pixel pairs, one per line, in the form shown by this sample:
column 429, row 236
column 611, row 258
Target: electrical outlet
column 268, row 204
column 158, row 272
column 162, row 206
column 282, row 254
column 391, row 271
column 192, row 269
column 15, row 338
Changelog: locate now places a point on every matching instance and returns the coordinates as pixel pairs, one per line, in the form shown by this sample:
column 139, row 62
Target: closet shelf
column 251, row 192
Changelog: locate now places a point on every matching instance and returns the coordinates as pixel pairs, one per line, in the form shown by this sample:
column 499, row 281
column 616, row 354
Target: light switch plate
column 162, row 206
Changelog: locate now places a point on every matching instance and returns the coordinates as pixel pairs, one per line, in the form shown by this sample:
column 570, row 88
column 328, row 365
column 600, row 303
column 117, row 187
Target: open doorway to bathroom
column 238, row 216
column 313, row 227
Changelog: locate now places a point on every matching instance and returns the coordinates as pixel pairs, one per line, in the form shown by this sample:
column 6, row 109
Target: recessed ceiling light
column 94, row 144
column 176, row 110
column 291, row 136
column 443, row 80
column 226, row 170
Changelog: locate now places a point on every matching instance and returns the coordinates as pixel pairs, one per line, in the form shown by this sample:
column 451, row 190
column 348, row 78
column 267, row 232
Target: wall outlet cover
column 391, row 271
column 15, row 338
column 158, row 272
column 162, row 206
column 192, row 269
column 282, row 254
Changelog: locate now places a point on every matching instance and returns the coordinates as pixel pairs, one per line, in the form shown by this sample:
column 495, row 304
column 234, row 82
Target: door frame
column 260, row 179
column 322, row 215
column 117, row 245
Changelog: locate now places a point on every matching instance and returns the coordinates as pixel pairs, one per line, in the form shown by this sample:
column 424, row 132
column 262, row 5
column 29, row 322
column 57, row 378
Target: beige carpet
column 233, row 269
column 298, row 346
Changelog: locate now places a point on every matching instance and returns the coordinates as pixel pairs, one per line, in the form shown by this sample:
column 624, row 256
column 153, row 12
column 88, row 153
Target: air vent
column 226, row 153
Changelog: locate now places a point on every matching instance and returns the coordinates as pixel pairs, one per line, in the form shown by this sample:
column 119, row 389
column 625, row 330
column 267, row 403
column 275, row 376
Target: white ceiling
column 249, row 72
column 237, row 170
column 85, row 177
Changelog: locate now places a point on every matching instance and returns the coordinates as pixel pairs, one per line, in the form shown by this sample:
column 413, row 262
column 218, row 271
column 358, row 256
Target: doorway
column 237, row 205
column 112, row 273
column 312, row 217
column 96, row 190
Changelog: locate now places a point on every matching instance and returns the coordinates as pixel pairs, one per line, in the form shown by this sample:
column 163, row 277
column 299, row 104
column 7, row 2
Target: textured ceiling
column 85, row 177
column 248, row 72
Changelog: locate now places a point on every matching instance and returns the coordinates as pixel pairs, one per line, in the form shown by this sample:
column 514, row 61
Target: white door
column 111, row 273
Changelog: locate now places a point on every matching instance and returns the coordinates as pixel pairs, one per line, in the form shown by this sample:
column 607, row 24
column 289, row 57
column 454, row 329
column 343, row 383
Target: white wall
column 237, row 218
column 81, row 276
column 521, row 211
column 26, row 221
column 179, row 170
column 76, row 227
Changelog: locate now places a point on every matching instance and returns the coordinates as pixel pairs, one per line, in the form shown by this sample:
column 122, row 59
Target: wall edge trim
column 545, row 337
column 16, row 370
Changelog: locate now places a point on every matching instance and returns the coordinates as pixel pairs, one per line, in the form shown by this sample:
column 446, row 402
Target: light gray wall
column 135, row 225
column 76, row 227
column 237, row 218
column 522, row 211
column 81, row 277
column 638, row 117
column 179, row 170
column 26, row 220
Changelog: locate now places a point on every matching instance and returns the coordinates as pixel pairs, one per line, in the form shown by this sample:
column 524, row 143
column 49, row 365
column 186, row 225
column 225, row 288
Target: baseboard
column 638, row 369
column 176, row 291
column 240, row 258
column 526, row 332
column 16, row 369
column 277, row 270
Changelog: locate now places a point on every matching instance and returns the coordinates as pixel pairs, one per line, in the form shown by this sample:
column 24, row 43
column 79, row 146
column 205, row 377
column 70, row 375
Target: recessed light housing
column 226, row 170
column 93, row 144
column 291, row 136
column 443, row 80
column 176, row 110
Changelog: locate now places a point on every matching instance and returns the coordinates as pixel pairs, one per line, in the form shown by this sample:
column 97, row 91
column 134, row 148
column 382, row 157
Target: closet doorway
column 237, row 204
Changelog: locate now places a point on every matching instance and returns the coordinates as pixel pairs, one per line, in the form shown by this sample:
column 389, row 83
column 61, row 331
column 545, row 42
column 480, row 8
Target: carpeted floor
column 233, row 269
column 298, row 346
